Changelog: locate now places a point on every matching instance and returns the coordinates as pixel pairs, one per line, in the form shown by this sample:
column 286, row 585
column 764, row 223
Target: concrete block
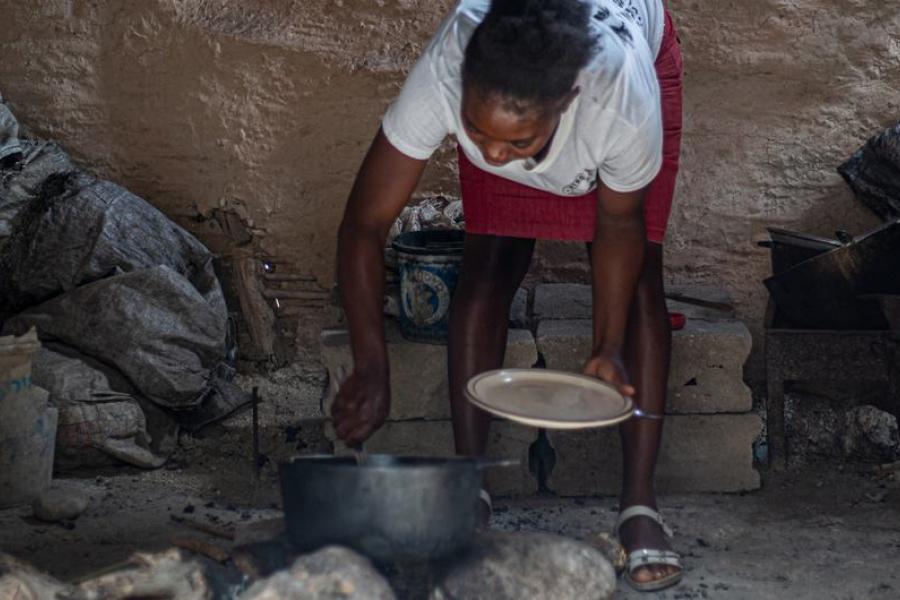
column 518, row 310
column 335, row 317
column 562, row 301
column 574, row 301
column 418, row 371
column 706, row 372
column 435, row 438
column 700, row 453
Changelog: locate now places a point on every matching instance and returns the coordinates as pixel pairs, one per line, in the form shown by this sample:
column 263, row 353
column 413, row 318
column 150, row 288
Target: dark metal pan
column 388, row 508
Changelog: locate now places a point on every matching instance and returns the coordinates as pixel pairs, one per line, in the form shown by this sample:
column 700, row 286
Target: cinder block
column 699, row 453
column 435, row 438
column 706, row 374
column 562, row 301
column 573, row 301
column 418, row 371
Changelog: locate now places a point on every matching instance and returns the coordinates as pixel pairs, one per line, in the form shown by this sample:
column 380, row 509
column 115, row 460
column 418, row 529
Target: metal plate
column 549, row 399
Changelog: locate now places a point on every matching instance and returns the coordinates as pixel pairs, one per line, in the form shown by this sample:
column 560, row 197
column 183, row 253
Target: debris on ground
column 870, row 434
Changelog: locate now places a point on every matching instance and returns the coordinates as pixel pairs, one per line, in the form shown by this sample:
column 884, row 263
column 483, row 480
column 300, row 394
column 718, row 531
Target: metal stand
column 821, row 355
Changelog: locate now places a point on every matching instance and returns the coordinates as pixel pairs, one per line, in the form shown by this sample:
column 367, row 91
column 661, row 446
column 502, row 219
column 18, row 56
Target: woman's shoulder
column 449, row 42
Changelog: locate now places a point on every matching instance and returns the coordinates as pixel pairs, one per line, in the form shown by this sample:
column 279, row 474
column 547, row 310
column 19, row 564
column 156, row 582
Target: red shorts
column 494, row 205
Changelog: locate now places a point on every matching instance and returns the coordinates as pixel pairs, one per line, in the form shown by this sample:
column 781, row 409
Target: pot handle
column 489, row 463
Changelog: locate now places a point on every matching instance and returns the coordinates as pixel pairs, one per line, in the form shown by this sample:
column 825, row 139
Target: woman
column 567, row 116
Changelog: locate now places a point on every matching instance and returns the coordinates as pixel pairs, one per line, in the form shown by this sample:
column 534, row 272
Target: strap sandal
column 647, row 557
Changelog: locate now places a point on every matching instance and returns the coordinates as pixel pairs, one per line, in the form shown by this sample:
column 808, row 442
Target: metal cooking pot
column 389, row 508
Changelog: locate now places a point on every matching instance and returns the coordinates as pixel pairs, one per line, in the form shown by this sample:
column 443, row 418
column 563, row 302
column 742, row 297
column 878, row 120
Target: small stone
column 511, row 566
column 63, row 501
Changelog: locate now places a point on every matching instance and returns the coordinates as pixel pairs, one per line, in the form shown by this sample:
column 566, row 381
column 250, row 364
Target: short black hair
column 529, row 51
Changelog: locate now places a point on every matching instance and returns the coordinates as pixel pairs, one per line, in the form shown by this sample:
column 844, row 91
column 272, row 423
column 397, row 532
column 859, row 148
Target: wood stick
column 209, row 528
column 214, row 552
column 294, row 294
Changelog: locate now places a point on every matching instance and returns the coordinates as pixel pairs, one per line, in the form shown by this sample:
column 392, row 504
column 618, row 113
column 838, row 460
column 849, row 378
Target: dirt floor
column 823, row 532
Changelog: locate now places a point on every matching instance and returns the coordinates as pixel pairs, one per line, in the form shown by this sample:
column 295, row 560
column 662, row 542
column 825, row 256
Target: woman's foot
column 646, row 540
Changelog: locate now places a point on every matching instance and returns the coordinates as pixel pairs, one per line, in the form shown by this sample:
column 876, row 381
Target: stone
column 516, row 565
column 699, row 453
column 870, row 434
column 332, row 573
column 706, row 372
column 22, row 581
column 506, row 440
column 63, row 501
column 167, row 574
column 562, row 301
column 574, row 301
column 418, row 371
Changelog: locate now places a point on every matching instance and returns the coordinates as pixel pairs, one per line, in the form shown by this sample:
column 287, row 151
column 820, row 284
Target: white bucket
column 27, row 424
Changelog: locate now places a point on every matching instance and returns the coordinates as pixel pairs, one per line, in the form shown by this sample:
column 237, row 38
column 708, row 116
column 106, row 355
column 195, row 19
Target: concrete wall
column 260, row 110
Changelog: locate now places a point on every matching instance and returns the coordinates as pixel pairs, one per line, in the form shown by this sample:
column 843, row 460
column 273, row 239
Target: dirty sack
column 80, row 229
column 9, row 132
column 431, row 212
column 23, row 175
column 873, row 172
column 98, row 269
column 102, row 419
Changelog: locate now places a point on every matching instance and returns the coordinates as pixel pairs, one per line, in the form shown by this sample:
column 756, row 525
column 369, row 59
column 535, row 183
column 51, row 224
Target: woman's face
column 504, row 134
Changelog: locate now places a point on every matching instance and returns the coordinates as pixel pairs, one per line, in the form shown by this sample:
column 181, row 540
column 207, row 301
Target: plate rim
column 628, row 410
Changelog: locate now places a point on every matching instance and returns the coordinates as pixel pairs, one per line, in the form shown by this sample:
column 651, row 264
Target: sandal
column 645, row 557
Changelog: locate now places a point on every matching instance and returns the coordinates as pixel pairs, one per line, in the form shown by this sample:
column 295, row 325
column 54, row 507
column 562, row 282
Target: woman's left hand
column 610, row 367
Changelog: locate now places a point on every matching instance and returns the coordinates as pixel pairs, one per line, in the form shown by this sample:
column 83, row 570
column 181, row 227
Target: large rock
column 418, row 371
column 870, row 434
column 512, row 566
column 700, row 453
column 706, row 372
column 22, row 581
column 332, row 573
column 506, row 440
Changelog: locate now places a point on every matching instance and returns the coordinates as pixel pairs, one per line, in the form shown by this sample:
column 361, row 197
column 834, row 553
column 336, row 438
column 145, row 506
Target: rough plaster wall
column 265, row 107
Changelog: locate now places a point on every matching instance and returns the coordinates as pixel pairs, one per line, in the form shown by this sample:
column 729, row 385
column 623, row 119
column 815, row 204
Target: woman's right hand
column 361, row 406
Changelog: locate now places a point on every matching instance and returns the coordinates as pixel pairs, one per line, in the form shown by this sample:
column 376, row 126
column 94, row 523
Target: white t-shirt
column 611, row 131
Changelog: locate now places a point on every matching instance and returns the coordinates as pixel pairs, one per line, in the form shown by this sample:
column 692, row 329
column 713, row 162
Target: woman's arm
column 617, row 257
column 382, row 188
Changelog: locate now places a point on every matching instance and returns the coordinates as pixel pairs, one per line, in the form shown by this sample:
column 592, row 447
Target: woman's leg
column 648, row 348
column 492, row 270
